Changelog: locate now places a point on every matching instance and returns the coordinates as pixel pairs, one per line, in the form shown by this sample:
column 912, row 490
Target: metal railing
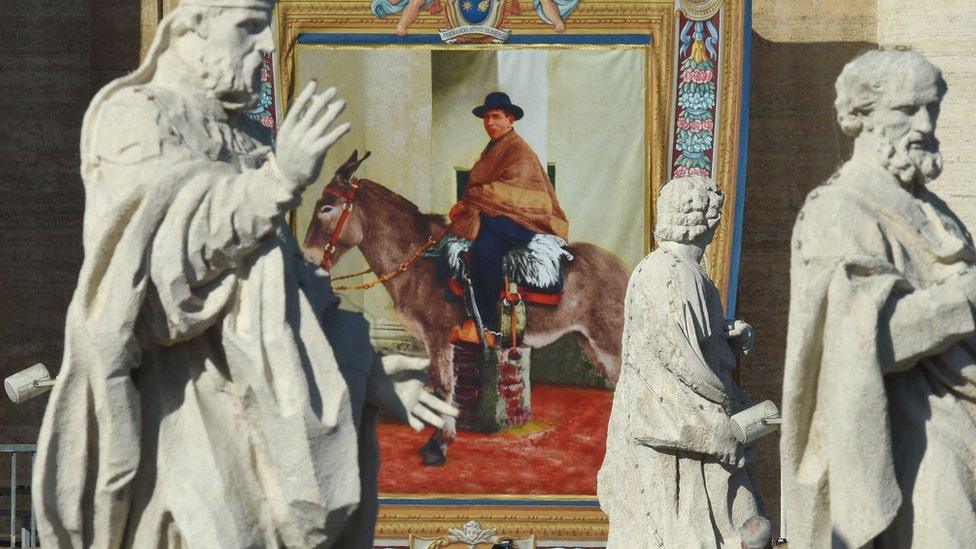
column 23, row 525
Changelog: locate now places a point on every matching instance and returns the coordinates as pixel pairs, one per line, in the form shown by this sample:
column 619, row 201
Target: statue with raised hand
column 200, row 402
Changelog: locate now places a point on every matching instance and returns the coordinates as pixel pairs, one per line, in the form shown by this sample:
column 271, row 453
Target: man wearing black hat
column 508, row 200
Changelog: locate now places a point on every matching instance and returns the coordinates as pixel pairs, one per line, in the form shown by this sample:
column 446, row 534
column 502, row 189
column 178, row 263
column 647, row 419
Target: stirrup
column 467, row 332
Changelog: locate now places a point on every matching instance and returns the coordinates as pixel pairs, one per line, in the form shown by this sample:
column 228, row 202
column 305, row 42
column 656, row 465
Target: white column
column 523, row 75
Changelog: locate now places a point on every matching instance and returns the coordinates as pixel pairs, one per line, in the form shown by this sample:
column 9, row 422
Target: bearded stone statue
column 211, row 395
column 879, row 396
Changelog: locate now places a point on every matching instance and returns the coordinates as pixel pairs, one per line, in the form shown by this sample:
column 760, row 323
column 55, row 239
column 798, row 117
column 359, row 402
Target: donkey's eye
column 325, row 209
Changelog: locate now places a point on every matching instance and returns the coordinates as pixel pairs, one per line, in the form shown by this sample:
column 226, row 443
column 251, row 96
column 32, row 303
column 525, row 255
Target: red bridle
column 350, row 197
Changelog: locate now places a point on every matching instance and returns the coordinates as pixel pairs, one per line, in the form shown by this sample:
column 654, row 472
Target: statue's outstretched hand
column 399, row 389
column 741, row 336
column 305, row 136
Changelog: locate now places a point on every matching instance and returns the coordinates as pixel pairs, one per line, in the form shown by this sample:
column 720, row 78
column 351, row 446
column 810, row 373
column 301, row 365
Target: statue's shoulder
column 129, row 127
column 648, row 268
column 835, row 199
column 854, row 189
column 837, row 221
column 660, row 269
column 133, row 107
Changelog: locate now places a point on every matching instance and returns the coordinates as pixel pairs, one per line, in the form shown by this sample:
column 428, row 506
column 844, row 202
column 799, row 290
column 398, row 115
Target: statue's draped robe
column 879, row 396
column 199, row 403
column 664, row 482
column 508, row 180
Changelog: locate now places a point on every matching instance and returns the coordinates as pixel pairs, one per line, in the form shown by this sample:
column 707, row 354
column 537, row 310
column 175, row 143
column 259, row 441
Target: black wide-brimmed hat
column 499, row 100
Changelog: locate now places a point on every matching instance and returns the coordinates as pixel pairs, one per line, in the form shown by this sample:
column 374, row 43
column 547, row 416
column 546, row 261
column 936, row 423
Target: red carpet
column 559, row 452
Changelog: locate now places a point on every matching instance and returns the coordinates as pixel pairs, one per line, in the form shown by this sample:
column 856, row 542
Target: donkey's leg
column 603, row 350
column 441, row 354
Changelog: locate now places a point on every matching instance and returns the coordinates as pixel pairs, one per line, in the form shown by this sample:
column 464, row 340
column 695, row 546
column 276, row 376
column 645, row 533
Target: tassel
column 514, row 8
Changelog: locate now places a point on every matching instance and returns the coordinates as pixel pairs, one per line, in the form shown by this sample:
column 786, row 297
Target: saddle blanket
column 537, row 267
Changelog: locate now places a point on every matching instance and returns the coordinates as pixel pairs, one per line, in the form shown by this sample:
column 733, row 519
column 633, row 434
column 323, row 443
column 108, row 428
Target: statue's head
column 888, row 101
column 688, row 210
column 224, row 43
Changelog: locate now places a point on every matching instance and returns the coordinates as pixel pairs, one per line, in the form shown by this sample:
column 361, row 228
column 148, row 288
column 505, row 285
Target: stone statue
column 200, row 403
column 879, row 395
column 674, row 475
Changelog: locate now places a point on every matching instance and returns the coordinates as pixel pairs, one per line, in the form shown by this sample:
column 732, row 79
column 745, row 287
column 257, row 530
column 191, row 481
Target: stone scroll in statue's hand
column 397, row 386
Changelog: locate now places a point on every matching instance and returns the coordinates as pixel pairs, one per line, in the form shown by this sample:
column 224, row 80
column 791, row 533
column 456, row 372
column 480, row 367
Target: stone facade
column 55, row 54
column 798, row 48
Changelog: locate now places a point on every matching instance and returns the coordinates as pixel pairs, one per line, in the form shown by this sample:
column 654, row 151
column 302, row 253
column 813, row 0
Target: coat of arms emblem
column 475, row 21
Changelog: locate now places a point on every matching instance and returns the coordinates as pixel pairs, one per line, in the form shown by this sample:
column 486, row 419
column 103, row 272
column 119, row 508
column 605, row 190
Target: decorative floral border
column 264, row 111
column 696, row 93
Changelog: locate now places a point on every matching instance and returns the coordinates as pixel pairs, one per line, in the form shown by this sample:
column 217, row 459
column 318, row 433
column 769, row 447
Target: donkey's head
column 338, row 196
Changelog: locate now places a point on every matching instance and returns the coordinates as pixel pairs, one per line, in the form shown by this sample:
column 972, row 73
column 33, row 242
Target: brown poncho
column 509, row 180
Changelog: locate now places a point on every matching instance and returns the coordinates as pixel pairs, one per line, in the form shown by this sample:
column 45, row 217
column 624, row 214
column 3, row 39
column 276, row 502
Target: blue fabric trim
column 740, row 194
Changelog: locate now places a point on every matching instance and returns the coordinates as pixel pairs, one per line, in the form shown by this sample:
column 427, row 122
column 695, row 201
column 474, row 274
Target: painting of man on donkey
column 507, row 227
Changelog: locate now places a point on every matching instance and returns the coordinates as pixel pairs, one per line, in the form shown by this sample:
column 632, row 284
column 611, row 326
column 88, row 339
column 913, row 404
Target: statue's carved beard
column 229, row 80
column 911, row 165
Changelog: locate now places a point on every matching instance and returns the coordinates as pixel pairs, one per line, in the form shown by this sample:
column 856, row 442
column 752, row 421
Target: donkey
column 388, row 229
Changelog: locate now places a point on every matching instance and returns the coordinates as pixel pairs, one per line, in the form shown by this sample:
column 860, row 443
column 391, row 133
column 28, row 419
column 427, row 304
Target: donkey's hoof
column 428, row 446
column 433, row 457
column 433, row 453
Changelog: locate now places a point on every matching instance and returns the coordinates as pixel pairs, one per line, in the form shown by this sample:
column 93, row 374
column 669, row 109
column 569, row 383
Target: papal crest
column 475, row 21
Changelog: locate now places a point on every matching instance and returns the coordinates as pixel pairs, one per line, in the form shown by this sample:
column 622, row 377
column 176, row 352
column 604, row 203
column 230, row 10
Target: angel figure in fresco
column 409, row 8
column 555, row 12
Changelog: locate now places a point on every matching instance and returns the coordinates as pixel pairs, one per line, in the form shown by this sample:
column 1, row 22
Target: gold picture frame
column 669, row 26
column 469, row 536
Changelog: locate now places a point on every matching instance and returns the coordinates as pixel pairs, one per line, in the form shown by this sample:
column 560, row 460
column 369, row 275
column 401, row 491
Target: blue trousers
column 497, row 235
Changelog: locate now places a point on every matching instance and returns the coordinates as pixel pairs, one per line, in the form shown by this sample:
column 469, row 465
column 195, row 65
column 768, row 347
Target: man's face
column 234, row 42
column 903, row 122
column 497, row 122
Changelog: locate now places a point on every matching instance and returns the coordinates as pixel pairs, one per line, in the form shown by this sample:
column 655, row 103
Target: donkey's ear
column 349, row 166
column 352, row 164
